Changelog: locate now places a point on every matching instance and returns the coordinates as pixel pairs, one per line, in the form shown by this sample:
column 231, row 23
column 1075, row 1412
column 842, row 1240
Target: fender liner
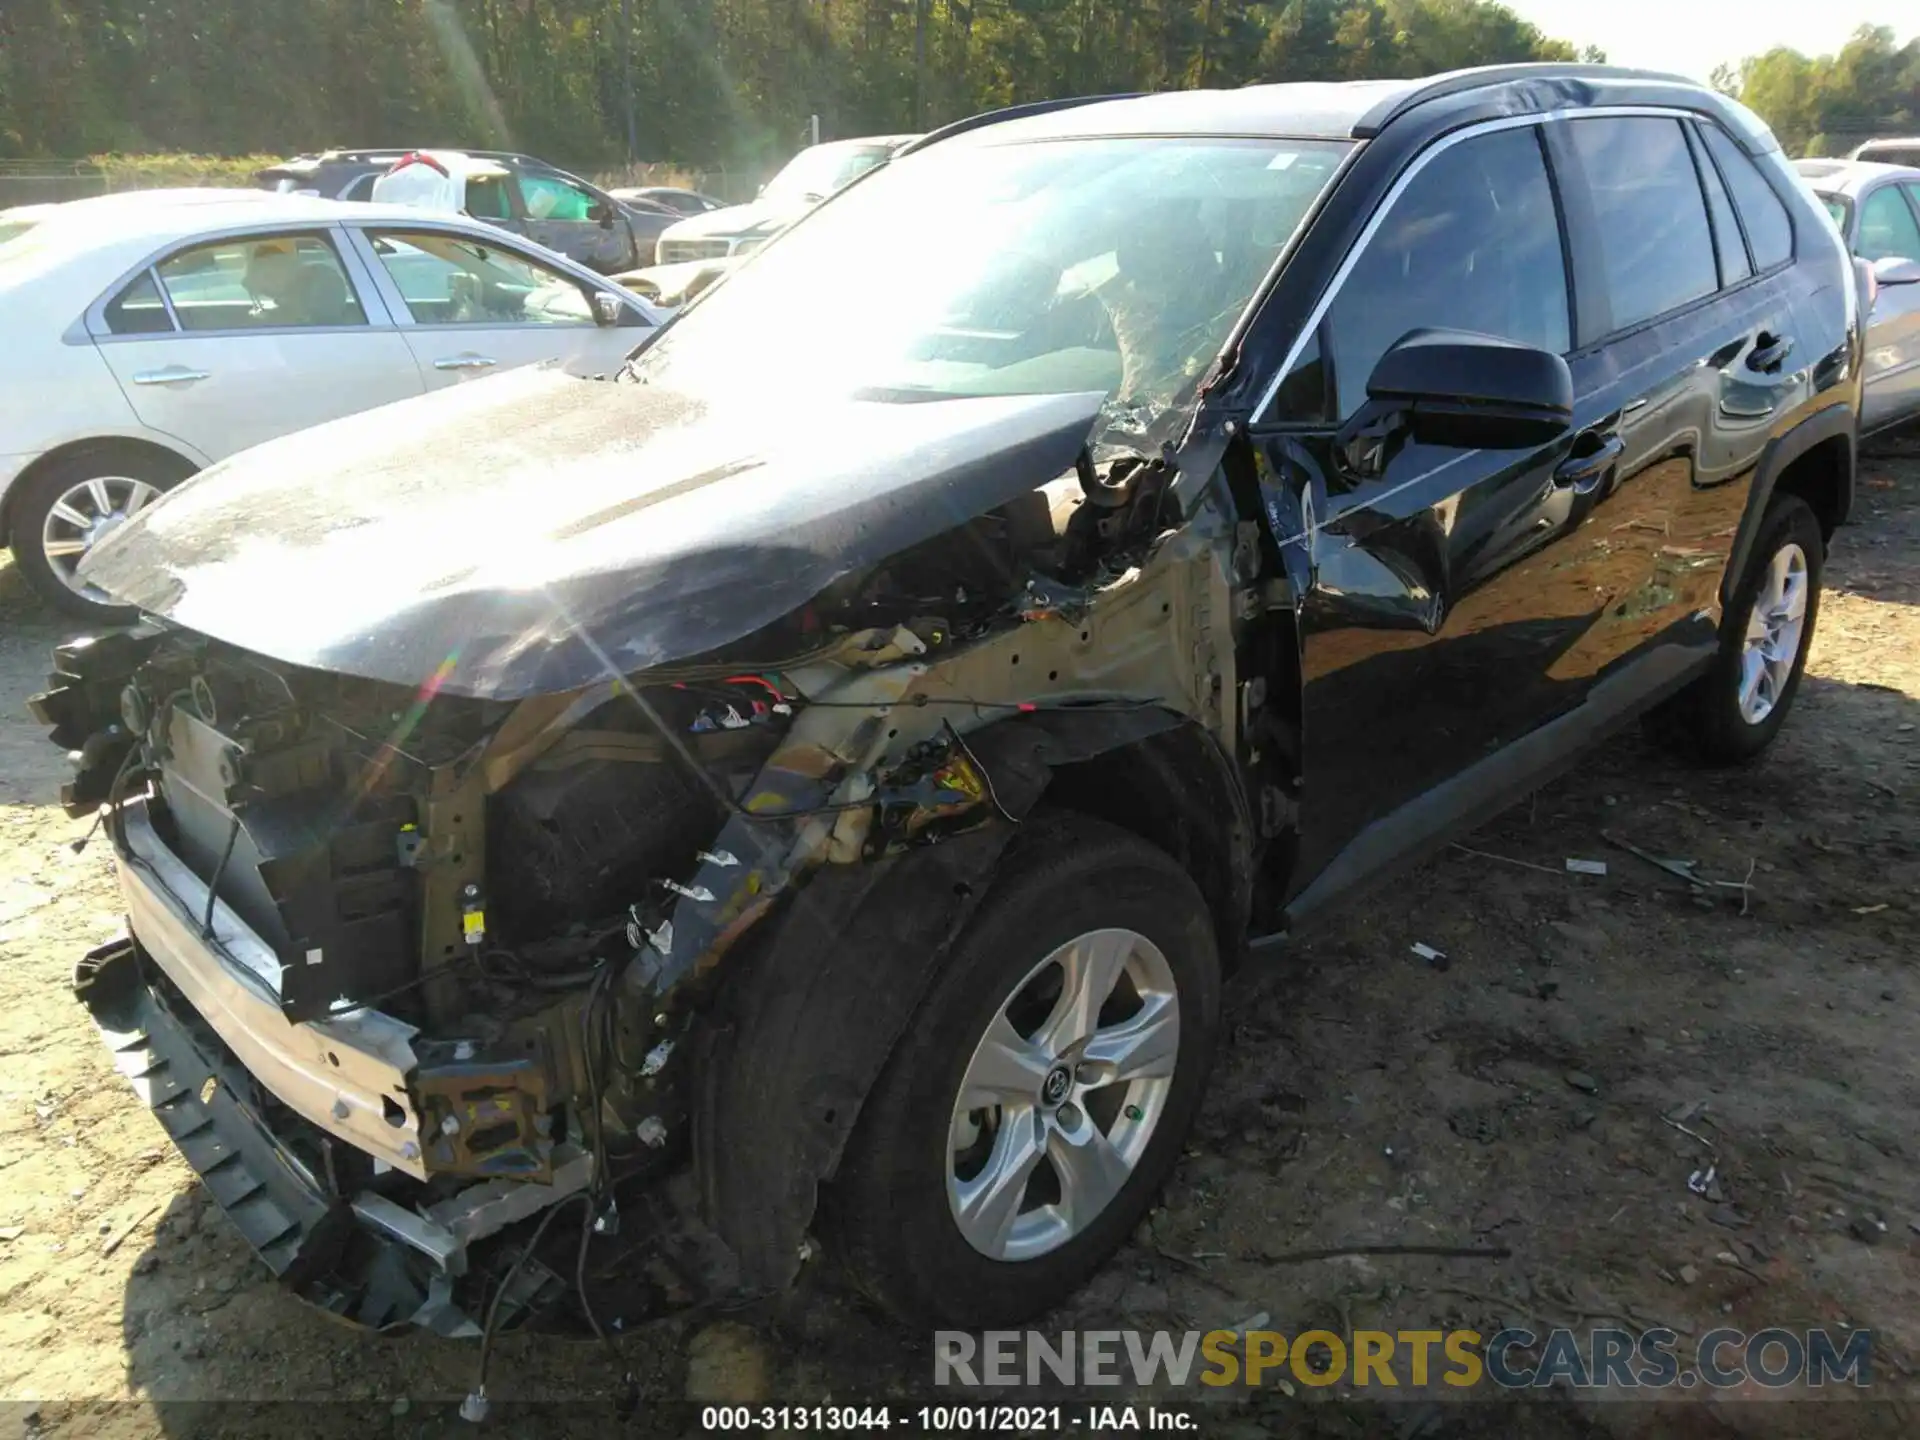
column 801, row 1030
column 1836, row 421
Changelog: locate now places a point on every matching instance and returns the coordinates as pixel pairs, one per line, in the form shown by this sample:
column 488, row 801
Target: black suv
column 817, row 781
column 610, row 235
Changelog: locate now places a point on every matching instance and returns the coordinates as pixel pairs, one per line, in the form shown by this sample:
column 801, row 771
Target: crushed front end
column 386, row 951
column 544, row 982
column 406, row 970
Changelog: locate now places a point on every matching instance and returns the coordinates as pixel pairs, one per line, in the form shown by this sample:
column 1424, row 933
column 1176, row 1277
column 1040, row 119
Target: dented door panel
column 1429, row 629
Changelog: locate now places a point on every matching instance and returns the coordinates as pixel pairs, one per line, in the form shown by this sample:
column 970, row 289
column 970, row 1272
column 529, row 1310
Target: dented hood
column 534, row 532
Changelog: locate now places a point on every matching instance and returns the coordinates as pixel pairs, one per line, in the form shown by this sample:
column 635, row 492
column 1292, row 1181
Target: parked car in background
column 330, row 174
column 669, row 197
column 560, row 211
column 672, row 286
column 821, row 783
column 1890, row 151
column 1877, row 208
column 146, row 339
column 517, row 192
column 807, row 179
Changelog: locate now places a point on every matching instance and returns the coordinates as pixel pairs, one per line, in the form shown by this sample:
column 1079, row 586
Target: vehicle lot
column 1366, row 1097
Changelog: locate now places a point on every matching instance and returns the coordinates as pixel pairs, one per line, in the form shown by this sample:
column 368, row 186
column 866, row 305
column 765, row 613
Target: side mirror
column 1896, row 270
column 1470, row 391
column 607, row 309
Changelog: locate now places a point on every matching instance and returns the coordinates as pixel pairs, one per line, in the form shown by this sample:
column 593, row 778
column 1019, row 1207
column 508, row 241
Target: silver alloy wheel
column 1775, row 628
column 1063, row 1094
column 84, row 516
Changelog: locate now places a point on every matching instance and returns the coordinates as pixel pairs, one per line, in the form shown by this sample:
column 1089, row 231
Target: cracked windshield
column 1055, row 267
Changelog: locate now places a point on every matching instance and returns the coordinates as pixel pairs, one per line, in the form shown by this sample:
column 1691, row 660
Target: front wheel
column 1041, row 1094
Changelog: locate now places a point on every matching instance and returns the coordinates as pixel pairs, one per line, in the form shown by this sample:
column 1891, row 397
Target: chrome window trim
column 1311, row 326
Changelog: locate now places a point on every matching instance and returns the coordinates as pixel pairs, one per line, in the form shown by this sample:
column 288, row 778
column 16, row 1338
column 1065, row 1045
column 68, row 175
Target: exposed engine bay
column 447, row 962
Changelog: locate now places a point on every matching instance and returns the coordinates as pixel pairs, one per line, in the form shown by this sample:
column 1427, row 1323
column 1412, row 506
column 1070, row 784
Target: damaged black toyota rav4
column 589, row 844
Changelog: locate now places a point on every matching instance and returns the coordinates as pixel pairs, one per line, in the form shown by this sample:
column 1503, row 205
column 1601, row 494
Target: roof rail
column 1010, row 112
column 1458, row 81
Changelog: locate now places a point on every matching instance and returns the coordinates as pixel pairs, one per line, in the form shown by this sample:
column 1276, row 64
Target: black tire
column 1704, row 722
column 887, row 1215
column 35, row 502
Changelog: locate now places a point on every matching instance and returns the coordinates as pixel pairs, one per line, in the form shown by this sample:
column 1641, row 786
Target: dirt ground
column 1528, row 1096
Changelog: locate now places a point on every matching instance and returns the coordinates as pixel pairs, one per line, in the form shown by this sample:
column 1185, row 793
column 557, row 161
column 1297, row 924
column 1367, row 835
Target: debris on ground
column 1706, row 1182
column 727, row 1365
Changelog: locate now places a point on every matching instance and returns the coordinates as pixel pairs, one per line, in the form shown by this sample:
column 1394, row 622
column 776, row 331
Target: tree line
column 712, row 81
column 734, row 82
column 1827, row 104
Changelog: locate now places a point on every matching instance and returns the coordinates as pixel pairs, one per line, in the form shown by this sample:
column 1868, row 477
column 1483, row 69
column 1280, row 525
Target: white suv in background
column 141, row 350
column 810, row 177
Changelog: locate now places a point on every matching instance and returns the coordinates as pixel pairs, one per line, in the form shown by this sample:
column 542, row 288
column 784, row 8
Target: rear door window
column 260, row 282
column 1472, row 243
column 1656, row 248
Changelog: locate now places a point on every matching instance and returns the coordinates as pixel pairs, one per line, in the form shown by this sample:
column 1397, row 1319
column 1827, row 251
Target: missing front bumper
column 276, row 1202
column 371, row 1260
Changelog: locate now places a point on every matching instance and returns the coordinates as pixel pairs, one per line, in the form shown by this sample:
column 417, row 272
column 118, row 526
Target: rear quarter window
column 1769, row 228
column 138, row 309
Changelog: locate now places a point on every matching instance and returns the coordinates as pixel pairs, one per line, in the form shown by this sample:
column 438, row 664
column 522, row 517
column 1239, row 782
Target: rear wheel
column 70, row 506
column 1041, row 1094
column 1732, row 713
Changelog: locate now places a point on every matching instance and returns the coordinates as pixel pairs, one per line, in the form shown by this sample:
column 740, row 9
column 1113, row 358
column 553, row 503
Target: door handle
column 171, row 375
column 1583, row 473
column 465, row 362
column 1769, row 353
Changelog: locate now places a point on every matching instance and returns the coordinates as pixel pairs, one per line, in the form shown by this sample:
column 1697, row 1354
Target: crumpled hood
column 534, row 532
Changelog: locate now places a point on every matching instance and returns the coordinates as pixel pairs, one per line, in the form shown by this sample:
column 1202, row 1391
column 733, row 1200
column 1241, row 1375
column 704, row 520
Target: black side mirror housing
column 1472, row 391
column 601, row 212
column 607, row 309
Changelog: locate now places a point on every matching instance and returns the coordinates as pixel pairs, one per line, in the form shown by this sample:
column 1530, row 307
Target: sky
column 1693, row 36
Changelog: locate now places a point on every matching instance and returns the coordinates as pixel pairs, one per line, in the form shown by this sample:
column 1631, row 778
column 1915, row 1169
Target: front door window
column 458, row 280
